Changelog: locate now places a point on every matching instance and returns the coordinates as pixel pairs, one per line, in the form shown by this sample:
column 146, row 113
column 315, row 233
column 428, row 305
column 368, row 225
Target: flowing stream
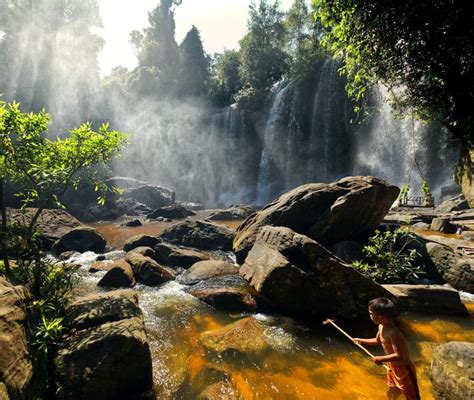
column 296, row 363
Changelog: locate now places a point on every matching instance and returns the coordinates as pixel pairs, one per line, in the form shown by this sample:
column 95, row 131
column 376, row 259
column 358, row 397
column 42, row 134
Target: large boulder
column 140, row 241
column 327, row 213
column 457, row 203
column 16, row 367
column 203, row 270
column 108, row 356
column 175, row 256
column 151, row 195
column 132, row 207
column 303, row 279
column 147, row 270
column 52, row 223
column 98, row 308
column 431, row 299
column 95, row 212
column 230, row 293
column 174, row 211
column 119, row 275
column 81, row 239
column 454, row 268
column 452, row 371
column 233, row 213
column 199, row 234
column 247, row 335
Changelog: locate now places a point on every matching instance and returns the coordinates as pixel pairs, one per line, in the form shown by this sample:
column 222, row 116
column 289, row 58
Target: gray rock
column 151, row 195
column 455, row 269
column 348, row 250
column 119, row 275
column 105, row 362
column 457, row 203
column 147, row 270
column 16, row 367
column 230, row 293
column 132, row 207
column 199, row 234
column 328, row 213
column 140, row 241
column 173, row 211
column 431, row 299
column 452, row 371
column 203, row 270
column 421, row 225
column 99, row 308
column 301, row 278
column 233, row 213
column 81, row 239
column 177, row 256
column 145, row 251
column 132, row 223
column 443, row 225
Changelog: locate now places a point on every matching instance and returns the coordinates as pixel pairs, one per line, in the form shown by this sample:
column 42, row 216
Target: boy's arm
column 396, row 341
column 368, row 342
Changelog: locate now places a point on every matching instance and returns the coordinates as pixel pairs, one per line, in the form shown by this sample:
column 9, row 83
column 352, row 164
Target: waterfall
column 272, row 162
column 328, row 146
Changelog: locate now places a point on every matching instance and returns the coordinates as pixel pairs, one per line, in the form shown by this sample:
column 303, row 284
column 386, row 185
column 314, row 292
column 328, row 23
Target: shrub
column 387, row 259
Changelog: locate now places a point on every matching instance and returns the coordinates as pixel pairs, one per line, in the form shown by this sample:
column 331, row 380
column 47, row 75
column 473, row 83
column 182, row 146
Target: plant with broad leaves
column 387, row 258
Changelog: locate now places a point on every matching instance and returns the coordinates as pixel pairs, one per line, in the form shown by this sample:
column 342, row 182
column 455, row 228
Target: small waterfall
column 272, row 163
column 402, row 151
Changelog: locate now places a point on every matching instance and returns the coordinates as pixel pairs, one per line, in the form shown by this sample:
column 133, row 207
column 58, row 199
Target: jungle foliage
column 423, row 51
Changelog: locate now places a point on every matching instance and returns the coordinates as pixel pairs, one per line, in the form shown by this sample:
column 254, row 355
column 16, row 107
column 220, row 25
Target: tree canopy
column 423, row 51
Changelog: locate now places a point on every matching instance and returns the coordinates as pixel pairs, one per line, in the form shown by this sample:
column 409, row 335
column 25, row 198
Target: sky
column 222, row 23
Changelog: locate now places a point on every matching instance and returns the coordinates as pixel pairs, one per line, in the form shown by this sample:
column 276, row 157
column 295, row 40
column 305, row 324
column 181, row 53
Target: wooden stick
column 330, row 321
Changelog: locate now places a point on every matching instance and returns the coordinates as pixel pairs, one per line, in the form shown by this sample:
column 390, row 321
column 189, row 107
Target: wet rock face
column 81, row 239
column 151, row 195
column 177, row 256
column 203, row 270
column 230, row 293
column 455, row 269
column 139, row 241
column 327, row 213
column 452, row 370
column 301, row 278
column 147, row 270
column 16, row 368
column 245, row 336
column 108, row 356
column 199, row 234
column 172, row 211
column 431, row 299
column 119, row 275
column 53, row 224
column 233, row 213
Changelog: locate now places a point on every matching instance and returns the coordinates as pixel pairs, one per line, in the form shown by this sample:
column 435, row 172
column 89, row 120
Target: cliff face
column 465, row 174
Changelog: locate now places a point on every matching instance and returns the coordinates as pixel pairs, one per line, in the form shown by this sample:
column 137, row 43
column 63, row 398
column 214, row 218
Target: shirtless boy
column 401, row 376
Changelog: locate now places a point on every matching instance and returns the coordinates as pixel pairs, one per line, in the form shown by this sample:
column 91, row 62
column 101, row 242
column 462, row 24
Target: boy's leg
column 393, row 393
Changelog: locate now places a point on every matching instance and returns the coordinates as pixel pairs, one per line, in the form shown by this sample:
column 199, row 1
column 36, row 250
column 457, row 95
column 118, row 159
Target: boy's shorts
column 404, row 378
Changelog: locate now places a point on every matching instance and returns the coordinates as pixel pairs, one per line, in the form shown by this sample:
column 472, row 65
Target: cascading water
column 402, row 151
column 272, row 161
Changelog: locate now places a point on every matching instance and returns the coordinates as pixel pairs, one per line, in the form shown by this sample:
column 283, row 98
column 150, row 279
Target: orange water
column 306, row 364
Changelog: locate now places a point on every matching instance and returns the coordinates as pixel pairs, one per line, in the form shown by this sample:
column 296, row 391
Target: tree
column 225, row 81
column 302, row 41
column 156, row 46
column 423, row 51
column 263, row 60
column 193, row 65
column 44, row 169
